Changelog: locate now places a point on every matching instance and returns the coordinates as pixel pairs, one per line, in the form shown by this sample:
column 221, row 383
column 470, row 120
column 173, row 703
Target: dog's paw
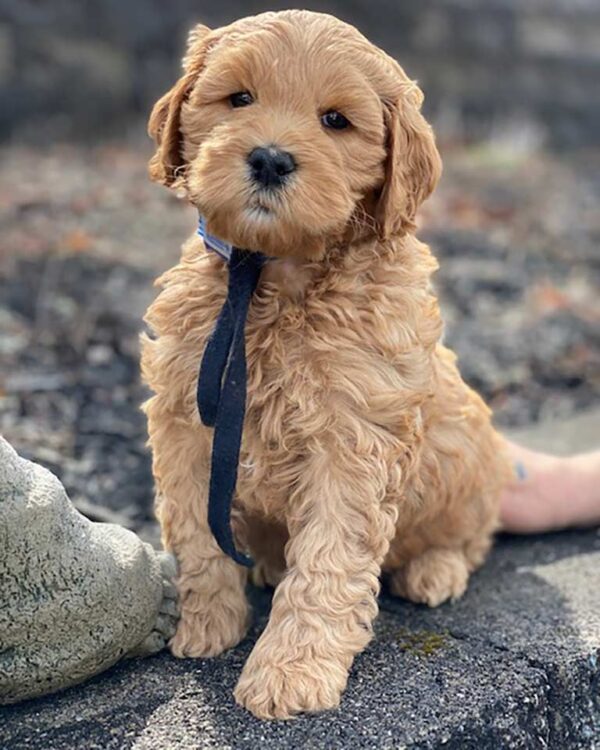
column 272, row 690
column 434, row 577
column 208, row 627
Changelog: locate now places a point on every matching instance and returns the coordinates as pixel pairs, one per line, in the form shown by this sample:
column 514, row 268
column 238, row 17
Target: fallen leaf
column 78, row 241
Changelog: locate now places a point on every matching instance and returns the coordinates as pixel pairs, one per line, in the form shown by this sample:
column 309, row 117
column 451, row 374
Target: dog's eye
column 335, row 120
column 241, row 99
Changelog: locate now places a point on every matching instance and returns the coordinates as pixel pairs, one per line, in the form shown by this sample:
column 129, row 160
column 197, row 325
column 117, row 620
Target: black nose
column 270, row 166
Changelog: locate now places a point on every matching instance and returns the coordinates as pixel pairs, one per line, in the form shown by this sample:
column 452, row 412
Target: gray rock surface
column 75, row 596
column 578, row 434
column 512, row 665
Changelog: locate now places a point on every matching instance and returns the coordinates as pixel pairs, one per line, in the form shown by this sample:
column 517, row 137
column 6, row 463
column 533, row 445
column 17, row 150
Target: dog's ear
column 164, row 122
column 413, row 165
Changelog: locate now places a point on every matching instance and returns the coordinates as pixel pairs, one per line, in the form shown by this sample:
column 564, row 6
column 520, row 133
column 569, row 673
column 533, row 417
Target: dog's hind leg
column 433, row 577
column 267, row 541
column 214, row 610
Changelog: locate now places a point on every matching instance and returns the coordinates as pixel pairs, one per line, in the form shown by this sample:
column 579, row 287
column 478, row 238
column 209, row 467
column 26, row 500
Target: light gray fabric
column 75, row 596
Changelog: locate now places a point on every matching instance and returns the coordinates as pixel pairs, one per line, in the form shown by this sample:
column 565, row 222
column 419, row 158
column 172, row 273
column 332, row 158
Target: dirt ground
column 83, row 233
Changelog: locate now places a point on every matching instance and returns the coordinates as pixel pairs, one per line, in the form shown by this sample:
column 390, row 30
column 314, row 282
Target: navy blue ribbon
column 221, row 394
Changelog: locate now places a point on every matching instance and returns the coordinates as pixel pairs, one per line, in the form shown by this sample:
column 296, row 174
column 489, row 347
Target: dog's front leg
column 214, row 609
column 323, row 609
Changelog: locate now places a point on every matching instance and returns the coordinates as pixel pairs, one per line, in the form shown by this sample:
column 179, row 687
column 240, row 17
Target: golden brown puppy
column 363, row 450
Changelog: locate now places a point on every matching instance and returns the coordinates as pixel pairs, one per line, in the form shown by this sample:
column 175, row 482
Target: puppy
column 363, row 450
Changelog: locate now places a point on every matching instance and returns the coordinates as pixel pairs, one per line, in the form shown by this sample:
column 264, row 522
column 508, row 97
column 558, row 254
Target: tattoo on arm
column 520, row 471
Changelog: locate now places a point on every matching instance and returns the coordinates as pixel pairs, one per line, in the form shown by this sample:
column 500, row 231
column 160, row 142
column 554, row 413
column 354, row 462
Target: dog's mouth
column 259, row 208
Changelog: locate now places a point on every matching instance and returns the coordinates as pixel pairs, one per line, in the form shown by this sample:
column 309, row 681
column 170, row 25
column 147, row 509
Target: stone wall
column 71, row 68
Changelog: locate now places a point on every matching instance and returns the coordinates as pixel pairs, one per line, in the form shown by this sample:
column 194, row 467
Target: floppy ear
column 164, row 122
column 413, row 165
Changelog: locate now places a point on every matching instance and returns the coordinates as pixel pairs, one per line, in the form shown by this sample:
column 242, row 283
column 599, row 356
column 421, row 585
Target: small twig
column 48, row 283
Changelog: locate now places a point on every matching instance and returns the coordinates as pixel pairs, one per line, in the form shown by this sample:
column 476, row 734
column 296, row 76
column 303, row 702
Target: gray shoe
column 75, row 596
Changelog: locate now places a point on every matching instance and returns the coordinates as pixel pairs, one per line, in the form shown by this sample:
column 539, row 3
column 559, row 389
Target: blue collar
column 218, row 246
column 221, row 390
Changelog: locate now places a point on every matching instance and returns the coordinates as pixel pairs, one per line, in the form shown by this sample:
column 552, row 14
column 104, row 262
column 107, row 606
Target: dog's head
column 290, row 131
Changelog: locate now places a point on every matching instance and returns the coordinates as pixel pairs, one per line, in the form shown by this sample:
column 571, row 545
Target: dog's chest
column 312, row 360
column 345, row 355
column 289, row 356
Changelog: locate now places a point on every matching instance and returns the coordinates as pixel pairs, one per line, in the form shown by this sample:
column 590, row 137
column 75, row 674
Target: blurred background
column 512, row 89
